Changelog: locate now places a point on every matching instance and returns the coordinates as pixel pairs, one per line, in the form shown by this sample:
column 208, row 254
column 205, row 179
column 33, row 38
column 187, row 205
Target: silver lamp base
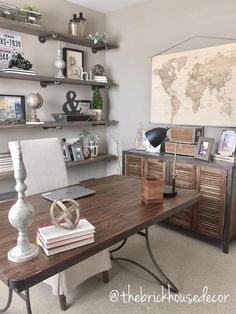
column 17, row 255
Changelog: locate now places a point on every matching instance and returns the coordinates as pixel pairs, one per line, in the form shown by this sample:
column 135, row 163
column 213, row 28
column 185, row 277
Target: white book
column 31, row 122
column 52, row 233
column 64, row 248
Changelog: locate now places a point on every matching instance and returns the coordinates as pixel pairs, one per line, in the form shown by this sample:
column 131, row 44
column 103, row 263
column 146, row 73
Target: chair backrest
column 44, row 164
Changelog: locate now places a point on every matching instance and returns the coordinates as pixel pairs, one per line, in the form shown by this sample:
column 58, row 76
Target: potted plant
column 97, row 103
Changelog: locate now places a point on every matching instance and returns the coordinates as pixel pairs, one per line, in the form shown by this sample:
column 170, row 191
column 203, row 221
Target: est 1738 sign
column 9, row 43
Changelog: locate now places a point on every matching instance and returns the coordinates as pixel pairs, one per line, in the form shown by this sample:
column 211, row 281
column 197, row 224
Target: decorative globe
column 64, row 213
column 34, row 101
column 98, row 69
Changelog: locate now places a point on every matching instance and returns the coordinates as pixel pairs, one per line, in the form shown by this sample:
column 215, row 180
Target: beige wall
column 56, row 15
column 145, row 30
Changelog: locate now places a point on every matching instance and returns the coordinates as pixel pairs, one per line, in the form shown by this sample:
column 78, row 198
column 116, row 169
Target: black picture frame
column 74, row 60
column 85, row 106
column 77, row 150
column 12, row 109
column 204, row 147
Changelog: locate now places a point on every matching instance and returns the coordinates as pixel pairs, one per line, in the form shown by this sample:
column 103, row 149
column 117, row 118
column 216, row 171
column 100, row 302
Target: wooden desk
column 116, row 211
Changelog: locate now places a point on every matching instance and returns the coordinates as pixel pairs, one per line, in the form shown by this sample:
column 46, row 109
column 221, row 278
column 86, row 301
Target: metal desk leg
column 25, row 296
column 165, row 281
column 5, row 308
column 27, row 301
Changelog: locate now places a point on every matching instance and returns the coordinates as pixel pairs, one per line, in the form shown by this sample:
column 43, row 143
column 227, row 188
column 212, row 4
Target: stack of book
column 100, row 78
column 54, row 240
column 219, row 157
column 6, row 163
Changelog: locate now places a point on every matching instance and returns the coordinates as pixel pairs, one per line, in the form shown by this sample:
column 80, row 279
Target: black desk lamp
column 156, row 137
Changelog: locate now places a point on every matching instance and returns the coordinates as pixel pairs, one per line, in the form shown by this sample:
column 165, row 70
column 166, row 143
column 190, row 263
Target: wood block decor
column 188, row 135
column 181, row 148
column 152, row 190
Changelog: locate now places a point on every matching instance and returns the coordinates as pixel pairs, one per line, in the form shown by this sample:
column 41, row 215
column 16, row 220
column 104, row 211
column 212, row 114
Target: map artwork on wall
column 196, row 87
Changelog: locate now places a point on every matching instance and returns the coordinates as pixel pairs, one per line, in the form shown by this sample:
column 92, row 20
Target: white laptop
column 71, row 192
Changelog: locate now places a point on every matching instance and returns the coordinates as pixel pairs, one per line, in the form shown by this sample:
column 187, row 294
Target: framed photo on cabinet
column 227, row 143
column 204, row 147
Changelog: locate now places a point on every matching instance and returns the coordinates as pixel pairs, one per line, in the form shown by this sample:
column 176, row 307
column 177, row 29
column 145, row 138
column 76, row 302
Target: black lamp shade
column 156, row 136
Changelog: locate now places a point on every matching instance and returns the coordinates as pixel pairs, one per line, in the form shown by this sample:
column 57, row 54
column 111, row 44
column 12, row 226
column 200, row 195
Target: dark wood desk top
column 116, row 211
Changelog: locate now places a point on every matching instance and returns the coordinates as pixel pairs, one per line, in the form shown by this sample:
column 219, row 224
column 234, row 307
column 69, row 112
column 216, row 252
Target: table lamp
column 155, row 137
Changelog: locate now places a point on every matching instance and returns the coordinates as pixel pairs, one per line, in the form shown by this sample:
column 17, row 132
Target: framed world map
column 195, row 87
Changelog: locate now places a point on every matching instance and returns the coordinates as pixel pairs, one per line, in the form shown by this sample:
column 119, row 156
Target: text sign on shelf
column 9, row 43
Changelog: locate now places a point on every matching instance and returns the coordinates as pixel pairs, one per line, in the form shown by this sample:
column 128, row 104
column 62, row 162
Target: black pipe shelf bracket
column 44, row 84
column 44, row 38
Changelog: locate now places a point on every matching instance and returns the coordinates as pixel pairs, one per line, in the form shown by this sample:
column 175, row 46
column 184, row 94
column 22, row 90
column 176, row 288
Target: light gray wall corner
column 144, row 30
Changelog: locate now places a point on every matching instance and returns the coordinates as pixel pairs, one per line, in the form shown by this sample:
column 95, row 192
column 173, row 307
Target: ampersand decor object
column 71, row 104
column 65, row 213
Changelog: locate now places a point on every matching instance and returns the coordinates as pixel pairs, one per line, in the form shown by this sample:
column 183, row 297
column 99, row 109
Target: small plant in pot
column 97, row 103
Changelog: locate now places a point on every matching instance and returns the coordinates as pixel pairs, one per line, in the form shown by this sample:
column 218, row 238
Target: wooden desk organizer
column 152, row 190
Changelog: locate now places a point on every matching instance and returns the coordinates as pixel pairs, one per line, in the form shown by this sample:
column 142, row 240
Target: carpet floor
column 205, row 277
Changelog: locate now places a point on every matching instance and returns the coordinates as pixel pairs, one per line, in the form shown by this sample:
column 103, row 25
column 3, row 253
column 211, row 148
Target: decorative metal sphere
column 65, row 211
column 34, row 101
column 98, row 69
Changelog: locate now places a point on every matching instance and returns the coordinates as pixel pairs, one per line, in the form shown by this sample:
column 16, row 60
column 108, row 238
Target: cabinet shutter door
column 186, row 179
column 210, row 213
column 133, row 166
column 154, row 168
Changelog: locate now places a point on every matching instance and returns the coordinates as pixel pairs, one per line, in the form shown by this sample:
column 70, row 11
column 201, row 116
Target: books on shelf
column 102, row 79
column 6, row 163
column 219, row 157
column 54, row 240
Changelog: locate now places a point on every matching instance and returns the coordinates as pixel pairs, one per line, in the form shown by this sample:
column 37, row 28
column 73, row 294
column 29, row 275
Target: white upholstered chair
column 45, row 167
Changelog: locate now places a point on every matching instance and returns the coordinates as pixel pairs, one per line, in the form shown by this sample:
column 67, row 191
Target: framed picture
column 142, row 143
column 204, row 146
column 77, row 150
column 84, row 105
column 227, row 143
column 74, row 60
column 12, row 109
column 66, row 152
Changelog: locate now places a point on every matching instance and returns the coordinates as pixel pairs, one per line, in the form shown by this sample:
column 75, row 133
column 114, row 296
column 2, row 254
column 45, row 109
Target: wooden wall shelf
column 46, row 34
column 100, row 157
column 47, row 80
column 58, row 125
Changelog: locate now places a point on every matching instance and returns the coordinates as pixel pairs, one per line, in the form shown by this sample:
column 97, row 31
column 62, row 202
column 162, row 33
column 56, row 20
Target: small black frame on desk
column 12, row 109
column 74, row 60
column 204, row 147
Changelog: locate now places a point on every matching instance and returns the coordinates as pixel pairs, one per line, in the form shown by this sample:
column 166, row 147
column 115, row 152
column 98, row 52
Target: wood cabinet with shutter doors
column 211, row 209
column 215, row 215
column 186, row 179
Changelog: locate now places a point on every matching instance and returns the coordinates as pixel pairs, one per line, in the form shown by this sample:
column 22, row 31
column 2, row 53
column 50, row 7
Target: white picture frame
column 227, row 143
